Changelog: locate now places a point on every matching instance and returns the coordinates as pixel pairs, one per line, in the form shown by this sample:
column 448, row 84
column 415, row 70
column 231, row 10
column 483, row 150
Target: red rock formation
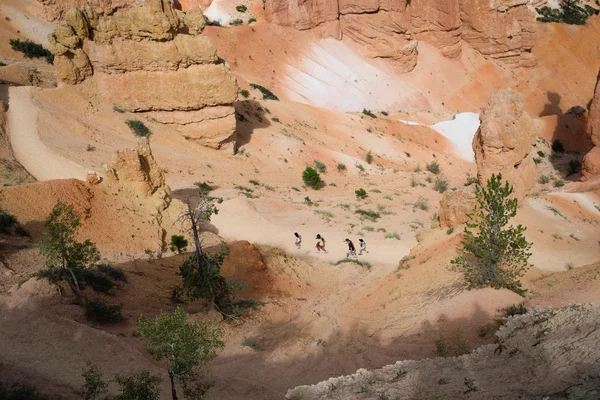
column 591, row 161
column 455, row 205
column 503, row 142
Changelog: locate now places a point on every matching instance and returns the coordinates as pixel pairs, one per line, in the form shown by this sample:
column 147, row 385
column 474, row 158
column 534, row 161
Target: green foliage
column 140, row 386
column 543, row 180
column 267, row 94
column 369, row 113
column 320, row 166
column 470, row 179
column 184, row 345
column 570, row 12
column 20, row 391
column 341, row 167
column 236, row 21
column 392, row 235
column 138, row 128
column 365, row 264
column 422, row 203
column 31, row 49
column 275, row 119
column 252, row 343
column 94, row 387
column 433, row 167
column 245, row 93
column 557, row 146
column 64, row 254
column 450, row 231
column 537, row 160
column 368, row 214
column 440, row 184
column 251, row 20
column 7, row 222
column 102, row 312
column 385, row 113
column 558, row 183
column 241, row 8
column 369, row 157
column 178, row 243
column 541, row 154
column 213, row 23
column 312, row 178
column 203, row 188
column 496, row 255
column 201, row 277
column 512, row 310
column 360, row 193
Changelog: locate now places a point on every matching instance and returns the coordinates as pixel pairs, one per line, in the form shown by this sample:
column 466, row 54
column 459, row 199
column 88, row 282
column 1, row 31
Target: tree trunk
column 75, row 287
column 173, row 391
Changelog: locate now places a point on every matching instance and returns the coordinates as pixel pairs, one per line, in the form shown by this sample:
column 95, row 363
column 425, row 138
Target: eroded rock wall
column 504, row 140
column 503, row 30
column 142, row 62
column 591, row 161
column 544, row 354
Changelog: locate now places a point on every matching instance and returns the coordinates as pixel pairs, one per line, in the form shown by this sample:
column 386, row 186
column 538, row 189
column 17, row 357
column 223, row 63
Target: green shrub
column 20, row 391
column 94, row 387
column 365, row 264
column 114, row 273
column 360, row 167
column 251, row 20
column 241, row 8
column 31, row 49
column 312, row 179
column 543, row 180
column 118, row 109
column 369, row 113
column 433, row 167
column 341, row 167
column 213, row 23
column 89, row 147
column 537, row 160
column 441, row 184
column 450, row 231
column 392, row 235
column 138, row 128
column 512, row 310
column 369, row 157
column 7, row 222
column 558, row 183
column 2, row 64
column 102, row 312
column 178, row 243
column 541, row 154
column 384, row 113
column 236, row 21
column 267, row 94
column 275, row 119
column 570, row 13
column 574, row 167
column 320, row 166
column 361, row 193
column 368, row 214
column 252, row 343
column 140, row 386
column 470, row 179
column 245, row 93
column 422, row 203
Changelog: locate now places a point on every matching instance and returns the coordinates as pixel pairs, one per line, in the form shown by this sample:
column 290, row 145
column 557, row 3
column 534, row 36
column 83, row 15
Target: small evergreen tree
column 185, row 346
column 496, row 255
column 94, row 387
column 65, row 256
column 360, row 193
column 178, row 243
column 141, row 386
column 312, row 178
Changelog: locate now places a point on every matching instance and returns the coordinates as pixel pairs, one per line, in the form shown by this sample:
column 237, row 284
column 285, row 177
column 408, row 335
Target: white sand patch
column 29, row 150
column 216, row 12
column 31, row 27
column 459, row 131
column 331, row 75
column 585, row 200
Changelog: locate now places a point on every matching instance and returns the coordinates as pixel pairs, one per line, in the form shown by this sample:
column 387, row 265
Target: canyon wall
column 502, row 30
column 151, row 58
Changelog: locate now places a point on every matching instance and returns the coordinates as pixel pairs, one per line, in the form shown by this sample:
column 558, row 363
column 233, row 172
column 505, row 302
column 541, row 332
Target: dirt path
column 29, row 149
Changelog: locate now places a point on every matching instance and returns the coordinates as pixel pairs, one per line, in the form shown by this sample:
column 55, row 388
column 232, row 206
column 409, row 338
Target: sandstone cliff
column 390, row 29
column 141, row 62
column 455, row 205
column 504, row 140
column 546, row 353
column 591, row 161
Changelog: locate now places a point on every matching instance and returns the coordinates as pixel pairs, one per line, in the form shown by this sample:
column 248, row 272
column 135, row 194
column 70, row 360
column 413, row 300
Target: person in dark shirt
column 351, row 249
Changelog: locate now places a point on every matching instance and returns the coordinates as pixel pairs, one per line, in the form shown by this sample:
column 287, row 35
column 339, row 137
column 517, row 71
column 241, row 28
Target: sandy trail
column 28, row 148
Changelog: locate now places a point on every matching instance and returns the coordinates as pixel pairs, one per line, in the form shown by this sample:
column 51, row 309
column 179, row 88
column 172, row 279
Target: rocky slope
column 591, row 161
column 141, row 62
column 546, row 353
column 390, row 30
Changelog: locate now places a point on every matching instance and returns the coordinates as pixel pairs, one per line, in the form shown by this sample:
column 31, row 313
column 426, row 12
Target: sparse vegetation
column 140, row 386
column 89, row 147
column 31, row 49
column 441, row 184
column 312, row 179
column 236, row 21
column 341, row 167
column 368, row 214
column 422, row 203
column 541, row 154
column 319, row 166
column 275, row 119
column 570, row 12
column 512, row 310
column 558, row 183
column 569, row 266
column 470, row 179
column 556, row 211
column 543, row 180
column 360, row 167
column 557, row 146
column 450, row 231
column 251, row 20
column 94, row 387
column 369, row 113
column 369, row 157
column 454, row 346
column 178, row 243
column 574, row 167
column 252, row 343
column 433, row 167
column 496, row 256
column 324, row 213
column 20, row 391
column 365, row 264
column 241, row 8
column 245, row 93
column 100, row 311
column 186, row 346
column 361, row 193
column 392, row 235
column 138, row 128
column 267, row 94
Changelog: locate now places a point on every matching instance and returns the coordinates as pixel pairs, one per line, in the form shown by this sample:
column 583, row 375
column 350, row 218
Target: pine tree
column 494, row 255
column 312, row 178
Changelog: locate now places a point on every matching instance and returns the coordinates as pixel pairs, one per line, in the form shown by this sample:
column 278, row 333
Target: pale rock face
column 503, row 30
column 141, row 63
column 54, row 10
column 504, row 140
column 136, row 172
column 591, row 162
column 455, row 205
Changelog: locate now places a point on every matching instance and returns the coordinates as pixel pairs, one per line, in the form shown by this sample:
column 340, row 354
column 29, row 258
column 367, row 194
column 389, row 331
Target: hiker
column 298, row 240
column 363, row 247
column 351, row 249
column 321, row 244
